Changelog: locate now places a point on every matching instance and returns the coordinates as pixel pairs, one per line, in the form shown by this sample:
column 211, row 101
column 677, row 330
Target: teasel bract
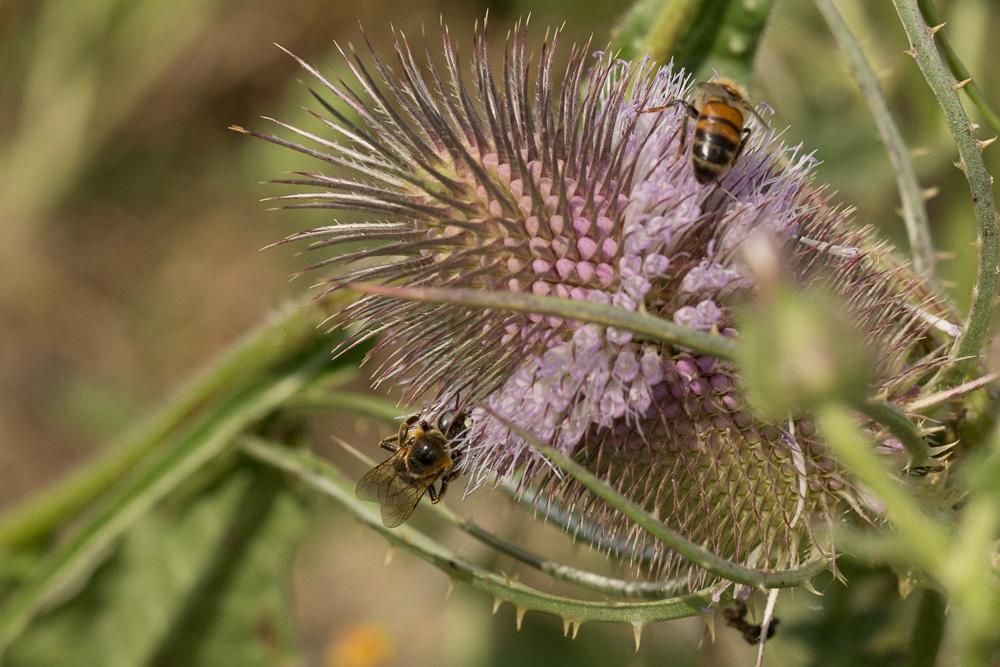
column 549, row 179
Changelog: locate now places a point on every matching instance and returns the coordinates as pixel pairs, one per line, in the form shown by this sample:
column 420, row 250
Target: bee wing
column 397, row 496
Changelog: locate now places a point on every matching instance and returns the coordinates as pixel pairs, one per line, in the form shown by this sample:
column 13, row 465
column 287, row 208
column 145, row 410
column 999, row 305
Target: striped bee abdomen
column 717, row 138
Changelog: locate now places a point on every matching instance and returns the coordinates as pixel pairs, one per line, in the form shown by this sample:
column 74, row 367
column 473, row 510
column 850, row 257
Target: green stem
column 896, row 421
column 379, row 409
column 928, row 631
column 597, row 582
column 695, row 553
column 285, row 332
column 965, row 353
column 329, row 481
column 910, row 194
column 647, row 326
column 926, row 539
column 933, row 18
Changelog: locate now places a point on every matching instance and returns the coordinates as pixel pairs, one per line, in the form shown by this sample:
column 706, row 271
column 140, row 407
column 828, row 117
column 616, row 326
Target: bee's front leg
column 446, row 478
column 436, row 495
column 391, row 443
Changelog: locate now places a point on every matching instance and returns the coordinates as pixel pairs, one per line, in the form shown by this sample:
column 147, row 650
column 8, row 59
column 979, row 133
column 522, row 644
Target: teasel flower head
column 550, row 179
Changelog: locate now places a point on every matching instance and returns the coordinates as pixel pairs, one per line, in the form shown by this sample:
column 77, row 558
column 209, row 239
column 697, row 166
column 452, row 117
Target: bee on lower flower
column 422, row 455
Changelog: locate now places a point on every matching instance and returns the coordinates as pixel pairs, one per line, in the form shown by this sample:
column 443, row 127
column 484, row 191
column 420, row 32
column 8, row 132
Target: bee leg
column 445, row 479
column 391, row 443
column 404, row 429
column 692, row 112
column 436, row 495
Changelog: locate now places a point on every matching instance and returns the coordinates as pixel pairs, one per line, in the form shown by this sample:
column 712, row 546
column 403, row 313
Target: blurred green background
column 129, row 257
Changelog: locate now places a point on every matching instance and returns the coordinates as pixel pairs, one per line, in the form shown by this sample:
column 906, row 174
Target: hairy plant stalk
column 966, row 351
column 958, row 68
column 328, row 480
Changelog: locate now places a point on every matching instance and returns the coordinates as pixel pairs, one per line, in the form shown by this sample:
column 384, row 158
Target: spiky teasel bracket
column 547, row 182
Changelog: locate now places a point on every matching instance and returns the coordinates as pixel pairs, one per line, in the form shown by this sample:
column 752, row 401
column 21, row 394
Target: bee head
column 427, row 454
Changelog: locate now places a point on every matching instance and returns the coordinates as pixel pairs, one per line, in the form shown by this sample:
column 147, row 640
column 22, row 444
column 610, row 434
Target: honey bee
column 421, row 455
column 720, row 109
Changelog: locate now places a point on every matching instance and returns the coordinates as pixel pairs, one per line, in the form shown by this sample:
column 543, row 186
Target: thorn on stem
column 937, row 28
column 986, row 143
column 637, row 634
column 930, row 193
column 962, row 84
column 519, row 617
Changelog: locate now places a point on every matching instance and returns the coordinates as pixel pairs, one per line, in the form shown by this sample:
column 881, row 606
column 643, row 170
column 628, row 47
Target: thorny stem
column 925, row 538
column 697, row 554
column 888, row 415
column 965, row 353
column 328, row 480
column 648, row 326
column 914, row 211
column 960, row 71
column 380, row 409
column 598, row 582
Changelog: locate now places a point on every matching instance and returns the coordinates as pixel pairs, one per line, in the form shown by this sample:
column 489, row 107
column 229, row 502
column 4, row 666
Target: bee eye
column 426, row 455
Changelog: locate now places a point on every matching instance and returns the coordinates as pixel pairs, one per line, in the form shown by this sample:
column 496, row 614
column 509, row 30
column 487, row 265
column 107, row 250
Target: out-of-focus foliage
column 129, row 259
column 197, row 582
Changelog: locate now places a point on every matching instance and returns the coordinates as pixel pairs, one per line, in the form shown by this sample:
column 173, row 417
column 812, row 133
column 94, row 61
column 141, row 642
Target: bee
column 720, row 110
column 421, row 455
column 735, row 615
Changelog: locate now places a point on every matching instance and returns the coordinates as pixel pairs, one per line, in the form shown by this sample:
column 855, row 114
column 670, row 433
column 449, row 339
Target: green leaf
column 205, row 443
column 200, row 574
column 240, row 614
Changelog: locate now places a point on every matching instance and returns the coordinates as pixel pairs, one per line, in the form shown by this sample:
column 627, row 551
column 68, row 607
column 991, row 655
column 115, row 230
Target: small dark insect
column 720, row 108
column 735, row 615
column 421, row 455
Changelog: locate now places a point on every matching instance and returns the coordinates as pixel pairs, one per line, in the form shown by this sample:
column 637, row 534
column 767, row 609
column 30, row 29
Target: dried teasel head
column 548, row 180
